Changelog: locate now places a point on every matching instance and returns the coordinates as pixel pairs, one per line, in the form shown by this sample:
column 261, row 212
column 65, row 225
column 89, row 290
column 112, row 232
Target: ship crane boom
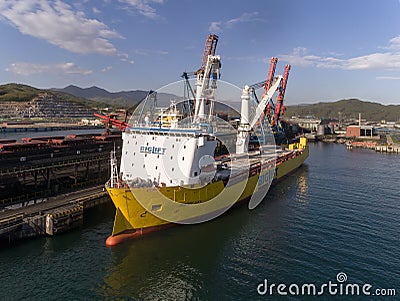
column 206, row 78
column 280, row 108
column 265, row 99
column 246, row 125
column 271, row 85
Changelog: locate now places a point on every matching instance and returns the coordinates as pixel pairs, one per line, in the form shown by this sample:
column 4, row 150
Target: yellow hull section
column 131, row 215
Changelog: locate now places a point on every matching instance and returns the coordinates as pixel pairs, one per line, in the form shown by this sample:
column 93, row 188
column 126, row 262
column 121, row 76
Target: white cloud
column 58, row 23
column 215, row 26
column 389, row 60
column 388, row 77
column 386, row 61
column 298, row 57
column 245, row 17
column 106, row 69
column 96, row 10
column 150, row 52
column 144, row 7
column 26, row 69
column 218, row 26
column 395, row 43
column 127, row 61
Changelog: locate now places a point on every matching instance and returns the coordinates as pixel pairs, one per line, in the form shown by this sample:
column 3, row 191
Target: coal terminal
column 53, row 174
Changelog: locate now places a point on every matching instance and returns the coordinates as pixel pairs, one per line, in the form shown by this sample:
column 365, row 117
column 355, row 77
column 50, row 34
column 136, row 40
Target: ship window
column 173, row 169
column 183, row 158
column 134, row 153
column 172, row 157
column 195, row 173
column 170, row 181
column 144, row 165
column 173, row 146
column 136, row 143
column 156, row 167
column 132, row 164
column 145, row 155
column 184, row 146
column 126, row 153
column 147, row 143
column 128, row 142
column 158, row 156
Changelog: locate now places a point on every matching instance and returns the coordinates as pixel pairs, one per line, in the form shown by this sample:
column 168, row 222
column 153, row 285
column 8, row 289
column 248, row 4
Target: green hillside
column 349, row 108
column 24, row 93
column 17, row 92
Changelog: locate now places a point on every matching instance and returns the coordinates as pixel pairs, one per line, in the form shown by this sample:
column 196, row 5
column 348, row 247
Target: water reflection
column 168, row 265
column 302, row 196
column 189, row 261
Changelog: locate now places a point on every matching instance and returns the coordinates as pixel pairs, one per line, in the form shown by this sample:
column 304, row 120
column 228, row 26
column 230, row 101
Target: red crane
column 111, row 120
column 268, row 83
column 279, row 107
column 209, row 49
column 271, row 73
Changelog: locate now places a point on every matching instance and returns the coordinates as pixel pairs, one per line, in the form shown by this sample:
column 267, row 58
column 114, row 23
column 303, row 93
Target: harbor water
column 338, row 214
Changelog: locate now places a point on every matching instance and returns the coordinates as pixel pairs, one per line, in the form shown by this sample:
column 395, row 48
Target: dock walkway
column 64, row 211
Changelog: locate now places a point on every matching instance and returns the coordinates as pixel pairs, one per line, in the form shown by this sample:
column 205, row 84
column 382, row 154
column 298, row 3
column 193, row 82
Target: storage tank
column 321, row 130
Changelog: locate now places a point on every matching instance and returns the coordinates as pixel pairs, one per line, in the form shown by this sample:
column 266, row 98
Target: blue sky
column 337, row 49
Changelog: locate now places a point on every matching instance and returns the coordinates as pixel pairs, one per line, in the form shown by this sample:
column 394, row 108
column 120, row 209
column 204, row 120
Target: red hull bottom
column 117, row 239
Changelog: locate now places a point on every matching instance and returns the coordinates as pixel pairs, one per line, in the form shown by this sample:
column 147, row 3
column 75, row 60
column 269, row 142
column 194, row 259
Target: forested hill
column 349, row 108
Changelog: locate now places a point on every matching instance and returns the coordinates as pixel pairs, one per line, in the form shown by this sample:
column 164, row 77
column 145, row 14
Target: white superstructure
column 165, row 157
column 176, row 148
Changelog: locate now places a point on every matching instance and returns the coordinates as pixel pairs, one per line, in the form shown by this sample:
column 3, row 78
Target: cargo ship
column 190, row 162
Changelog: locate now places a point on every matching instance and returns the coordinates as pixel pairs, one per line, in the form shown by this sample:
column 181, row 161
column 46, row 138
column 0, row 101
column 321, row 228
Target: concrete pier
column 56, row 215
column 388, row 148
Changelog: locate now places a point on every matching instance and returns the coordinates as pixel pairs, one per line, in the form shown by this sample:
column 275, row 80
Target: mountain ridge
column 99, row 97
column 348, row 108
column 20, row 102
column 122, row 98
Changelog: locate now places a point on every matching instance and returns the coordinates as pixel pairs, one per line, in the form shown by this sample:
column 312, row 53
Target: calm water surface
column 340, row 212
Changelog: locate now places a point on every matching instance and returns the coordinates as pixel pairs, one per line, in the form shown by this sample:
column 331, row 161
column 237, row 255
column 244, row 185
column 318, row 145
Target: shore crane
column 111, row 120
column 265, row 108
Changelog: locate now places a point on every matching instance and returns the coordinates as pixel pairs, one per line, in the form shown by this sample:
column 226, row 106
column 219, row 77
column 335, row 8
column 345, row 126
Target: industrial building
column 361, row 131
